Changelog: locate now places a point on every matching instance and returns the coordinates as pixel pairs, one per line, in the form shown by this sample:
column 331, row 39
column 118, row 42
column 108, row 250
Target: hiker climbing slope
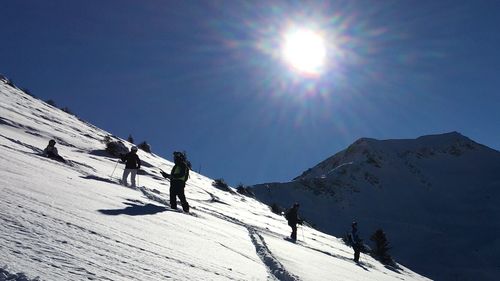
column 292, row 217
column 178, row 177
column 132, row 164
column 356, row 242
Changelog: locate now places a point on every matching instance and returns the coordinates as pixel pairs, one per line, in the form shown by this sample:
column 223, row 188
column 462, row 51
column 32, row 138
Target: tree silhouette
column 145, row 146
column 381, row 250
column 130, row 139
column 51, row 102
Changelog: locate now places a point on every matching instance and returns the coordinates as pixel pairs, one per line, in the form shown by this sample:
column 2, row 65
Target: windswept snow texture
column 437, row 198
column 73, row 222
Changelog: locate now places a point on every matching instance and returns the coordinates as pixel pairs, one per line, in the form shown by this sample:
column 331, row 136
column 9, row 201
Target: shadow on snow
column 134, row 209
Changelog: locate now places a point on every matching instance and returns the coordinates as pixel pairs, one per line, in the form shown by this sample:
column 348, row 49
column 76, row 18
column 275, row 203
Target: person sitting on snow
column 51, row 152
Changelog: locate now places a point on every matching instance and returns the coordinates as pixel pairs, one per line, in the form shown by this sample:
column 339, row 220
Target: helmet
column 134, row 148
column 178, row 154
column 296, row 205
column 52, row 142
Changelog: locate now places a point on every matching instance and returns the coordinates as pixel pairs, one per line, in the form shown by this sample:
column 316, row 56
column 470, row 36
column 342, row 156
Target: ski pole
column 138, row 183
column 302, row 230
column 110, row 177
column 361, row 252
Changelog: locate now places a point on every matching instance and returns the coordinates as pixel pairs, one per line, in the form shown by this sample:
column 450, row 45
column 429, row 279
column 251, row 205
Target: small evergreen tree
column 220, row 183
column 51, row 102
column 244, row 190
column 381, row 250
column 275, row 208
column 10, row 82
column 144, row 146
column 130, row 139
column 28, row 92
column 67, row 110
column 116, row 148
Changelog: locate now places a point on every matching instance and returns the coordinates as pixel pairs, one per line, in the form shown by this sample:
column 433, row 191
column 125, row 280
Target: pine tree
column 381, row 250
column 130, row 139
column 51, row 102
column 275, row 208
column 67, row 110
column 144, row 146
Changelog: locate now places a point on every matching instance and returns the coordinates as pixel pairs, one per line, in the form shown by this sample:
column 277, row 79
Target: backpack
column 188, row 167
column 288, row 216
column 187, row 162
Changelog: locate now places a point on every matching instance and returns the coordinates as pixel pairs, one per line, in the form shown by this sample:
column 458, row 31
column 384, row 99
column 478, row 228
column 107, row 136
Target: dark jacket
column 131, row 160
column 179, row 174
column 292, row 216
column 354, row 238
column 50, row 151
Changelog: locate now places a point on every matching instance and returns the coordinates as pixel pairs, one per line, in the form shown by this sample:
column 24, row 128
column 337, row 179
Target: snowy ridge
column 439, row 191
column 74, row 222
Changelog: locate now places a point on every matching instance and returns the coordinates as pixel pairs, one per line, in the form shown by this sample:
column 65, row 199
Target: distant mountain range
column 437, row 198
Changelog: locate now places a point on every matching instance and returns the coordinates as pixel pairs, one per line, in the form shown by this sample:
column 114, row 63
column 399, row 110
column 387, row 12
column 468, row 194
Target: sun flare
column 305, row 51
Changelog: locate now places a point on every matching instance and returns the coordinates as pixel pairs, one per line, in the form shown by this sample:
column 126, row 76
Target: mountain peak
column 373, row 151
column 450, row 136
column 417, row 190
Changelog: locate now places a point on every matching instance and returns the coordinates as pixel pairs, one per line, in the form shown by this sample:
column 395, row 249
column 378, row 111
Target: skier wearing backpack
column 292, row 217
column 178, row 177
column 356, row 242
column 132, row 165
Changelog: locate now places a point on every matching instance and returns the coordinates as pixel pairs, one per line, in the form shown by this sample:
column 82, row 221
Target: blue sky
column 206, row 76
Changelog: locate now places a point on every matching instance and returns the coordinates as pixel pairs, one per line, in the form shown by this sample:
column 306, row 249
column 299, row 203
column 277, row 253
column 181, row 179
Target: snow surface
column 436, row 197
column 74, row 222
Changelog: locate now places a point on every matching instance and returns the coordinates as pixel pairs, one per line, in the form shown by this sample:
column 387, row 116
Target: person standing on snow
column 178, row 177
column 292, row 216
column 132, row 164
column 51, row 152
column 356, row 242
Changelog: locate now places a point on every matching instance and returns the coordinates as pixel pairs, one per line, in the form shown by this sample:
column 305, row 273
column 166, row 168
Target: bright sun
column 305, row 51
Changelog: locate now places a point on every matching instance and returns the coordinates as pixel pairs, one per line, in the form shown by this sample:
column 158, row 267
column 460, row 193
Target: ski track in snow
column 273, row 265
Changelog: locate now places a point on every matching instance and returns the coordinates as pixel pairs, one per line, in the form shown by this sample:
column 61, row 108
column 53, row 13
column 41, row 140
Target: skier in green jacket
column 178, row 177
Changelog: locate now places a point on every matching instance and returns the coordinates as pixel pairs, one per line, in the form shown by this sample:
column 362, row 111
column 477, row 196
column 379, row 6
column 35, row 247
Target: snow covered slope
column 437, row 198
column 73, row 222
